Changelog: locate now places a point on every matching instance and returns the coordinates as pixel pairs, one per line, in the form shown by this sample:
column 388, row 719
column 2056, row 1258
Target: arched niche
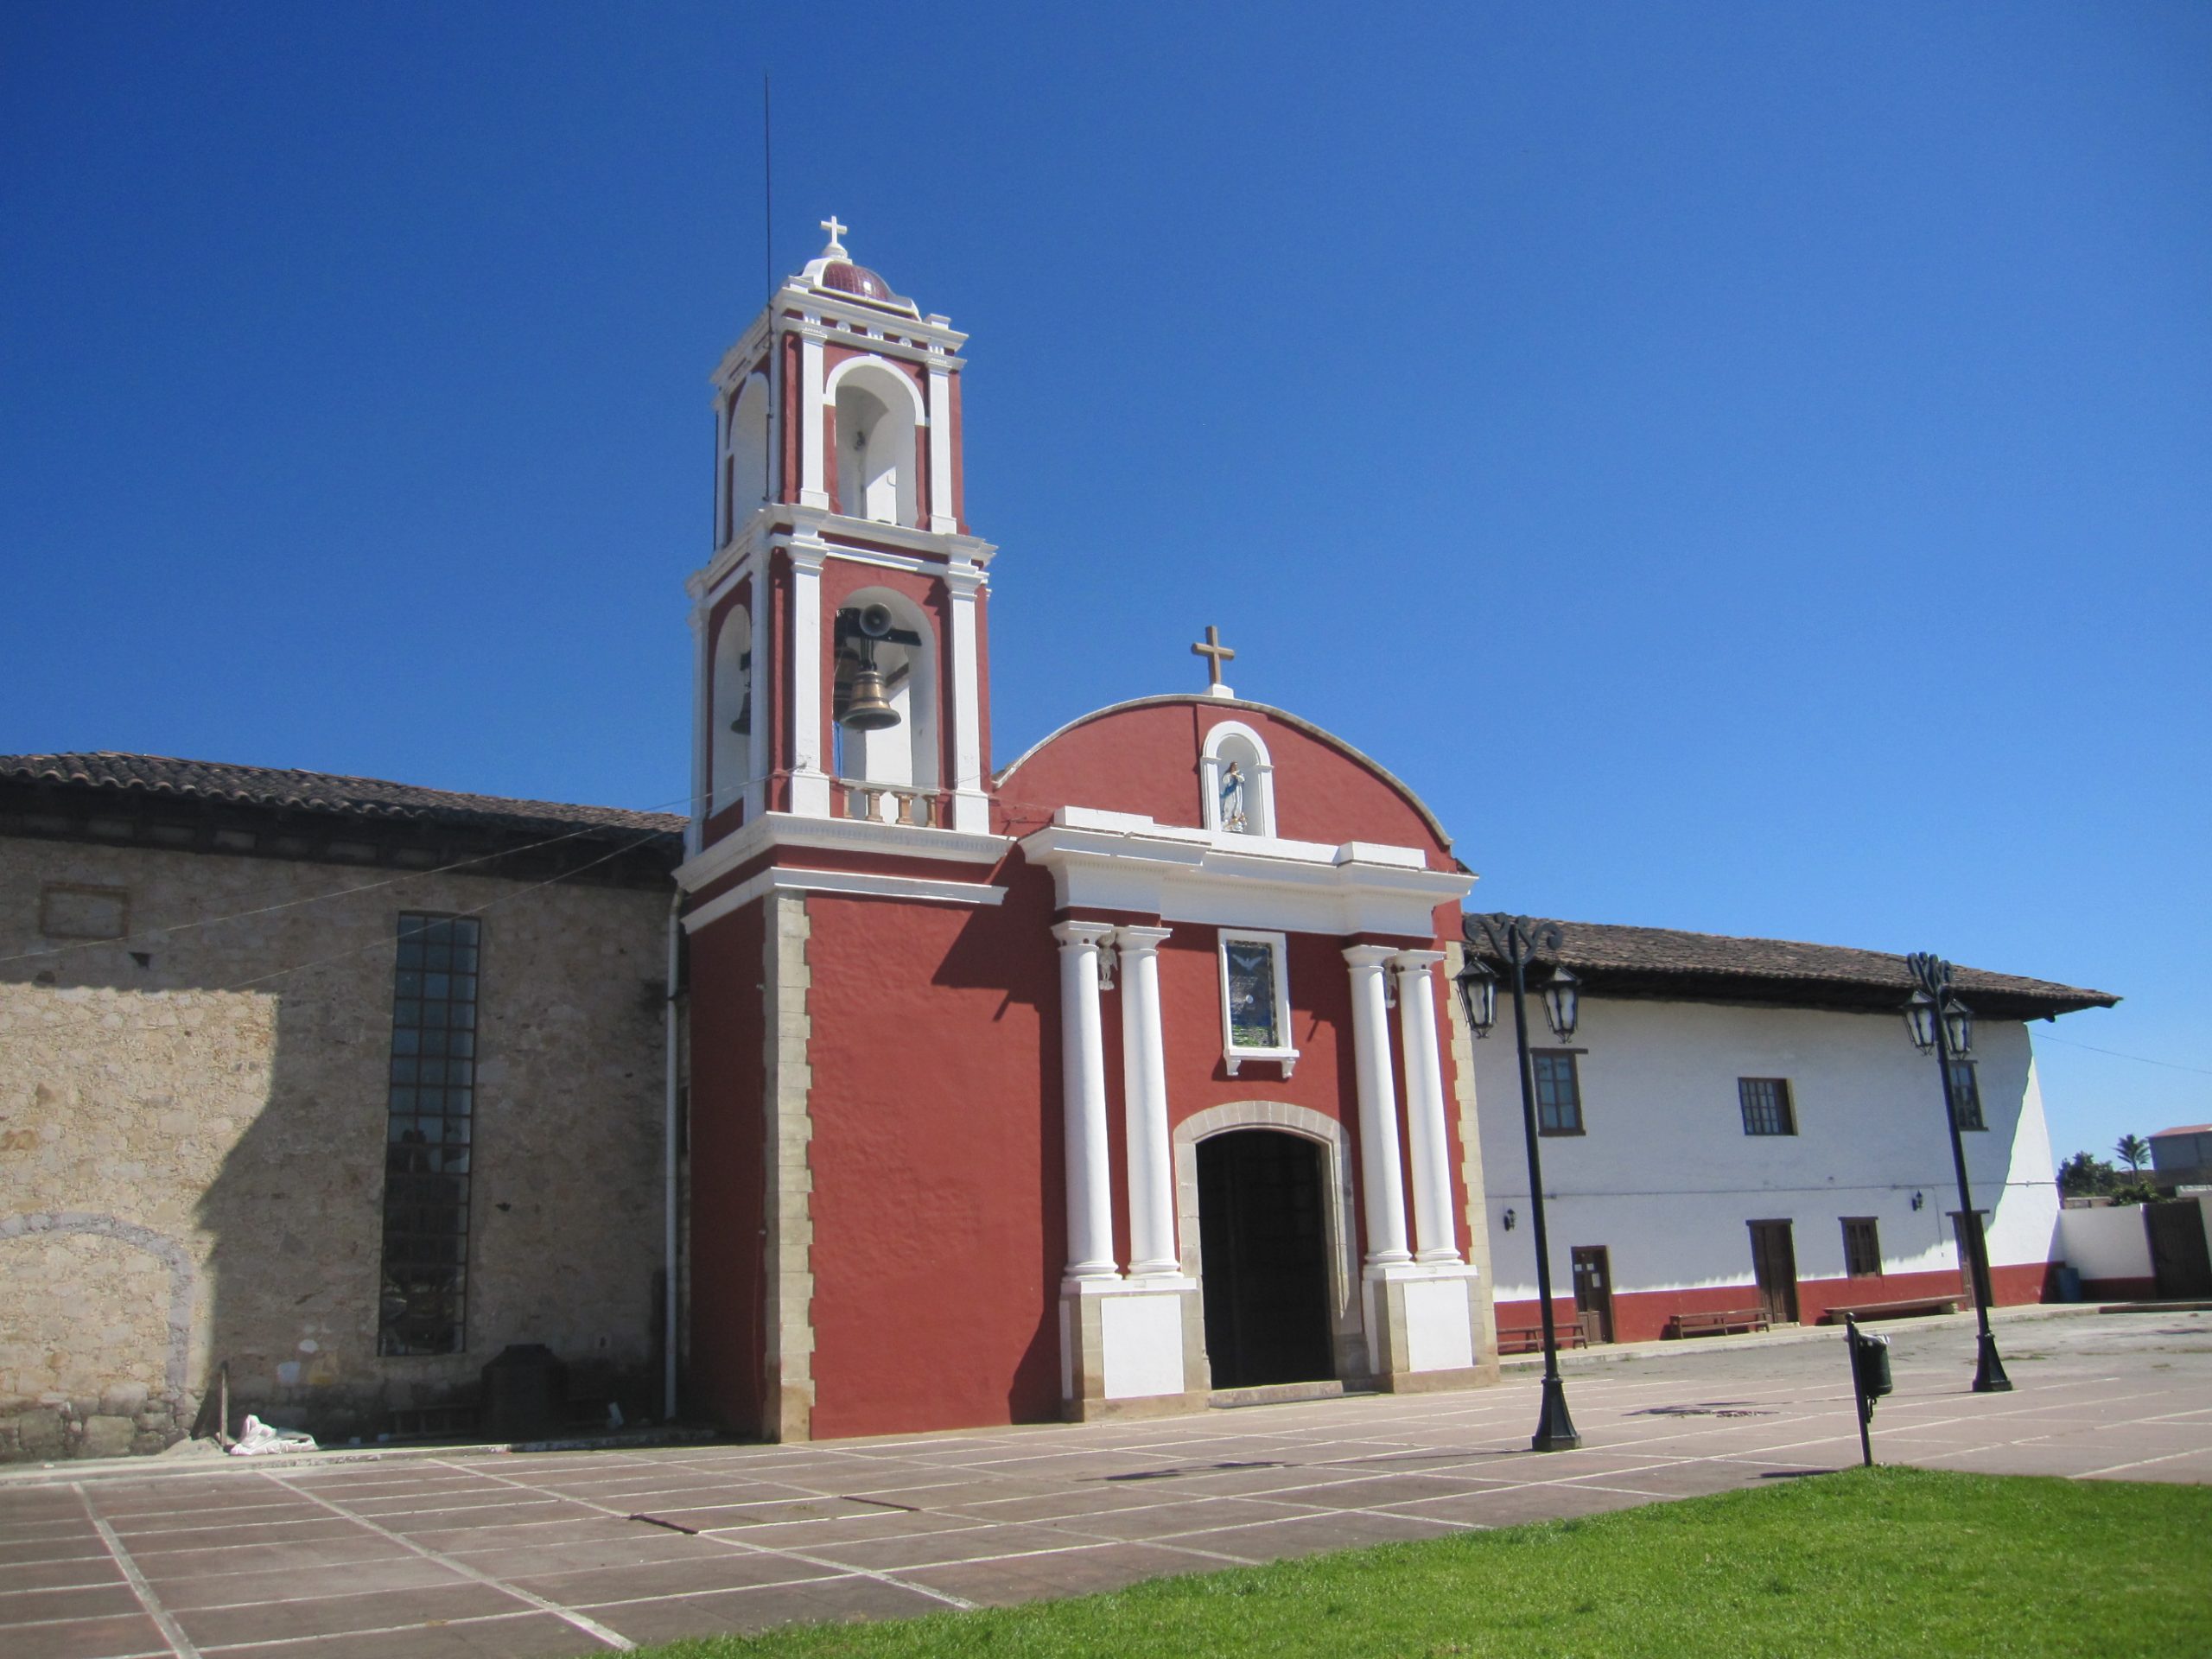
column 1238, row 781
column 730, row 759
column 904, row 756
column 745, row 454
column 878, row 411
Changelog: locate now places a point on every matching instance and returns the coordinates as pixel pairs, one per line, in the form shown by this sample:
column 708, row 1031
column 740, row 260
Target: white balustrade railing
column 887, row 803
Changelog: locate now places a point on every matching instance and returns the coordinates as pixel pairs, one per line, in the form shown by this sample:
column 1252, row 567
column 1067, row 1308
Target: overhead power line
column 2140, row 1059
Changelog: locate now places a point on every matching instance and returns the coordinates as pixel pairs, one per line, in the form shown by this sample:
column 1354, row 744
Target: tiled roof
column 216, row 781
column 1662, row 962
column 2186, row 1128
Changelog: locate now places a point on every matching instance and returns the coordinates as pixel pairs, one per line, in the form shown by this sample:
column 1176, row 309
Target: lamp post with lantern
column 1941, row 1024
column 1515, row 941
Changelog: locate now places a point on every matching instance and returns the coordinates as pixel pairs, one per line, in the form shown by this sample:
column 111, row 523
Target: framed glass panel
column 1965, row 1095
column 1559, row 1092
column 1252, row 979
column 1765, row 1102
column 425, row 1304
column 1255, row 1000
column 1862, row 1247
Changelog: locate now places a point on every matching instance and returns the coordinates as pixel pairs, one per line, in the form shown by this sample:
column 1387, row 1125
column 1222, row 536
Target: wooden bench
column 1719, row 1323
column 1904, row 1310
column 1529, row 1339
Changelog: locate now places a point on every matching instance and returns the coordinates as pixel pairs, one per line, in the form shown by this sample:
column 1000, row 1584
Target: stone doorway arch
column 1348, row 1335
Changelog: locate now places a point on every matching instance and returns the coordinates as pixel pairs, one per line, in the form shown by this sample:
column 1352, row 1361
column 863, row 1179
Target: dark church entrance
column 1265, row 1259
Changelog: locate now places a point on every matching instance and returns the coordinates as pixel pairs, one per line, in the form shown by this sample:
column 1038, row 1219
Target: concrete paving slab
column 129, row 1634
column 526, row 1555
column 744, row 1611
column 326, row 1615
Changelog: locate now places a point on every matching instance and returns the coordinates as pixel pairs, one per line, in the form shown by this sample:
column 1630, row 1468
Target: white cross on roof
column 837, row 249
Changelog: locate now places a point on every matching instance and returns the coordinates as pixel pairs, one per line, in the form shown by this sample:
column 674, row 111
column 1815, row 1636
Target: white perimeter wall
column 1666, row 1179
column 2106, row 1244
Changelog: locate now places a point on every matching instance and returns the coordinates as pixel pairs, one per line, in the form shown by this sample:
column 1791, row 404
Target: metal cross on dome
column 1216, row 654
column 836, row 230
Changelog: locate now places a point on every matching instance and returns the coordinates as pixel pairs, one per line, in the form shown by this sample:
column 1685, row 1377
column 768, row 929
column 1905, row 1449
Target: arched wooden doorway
column 1264, row 1245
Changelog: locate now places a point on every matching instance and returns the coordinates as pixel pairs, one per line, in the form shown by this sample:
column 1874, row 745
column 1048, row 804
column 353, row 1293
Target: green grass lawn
column 1878, row 1561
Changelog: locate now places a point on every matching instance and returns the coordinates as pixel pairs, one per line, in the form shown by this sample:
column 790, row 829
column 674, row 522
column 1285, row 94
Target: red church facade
column 1125, row 1074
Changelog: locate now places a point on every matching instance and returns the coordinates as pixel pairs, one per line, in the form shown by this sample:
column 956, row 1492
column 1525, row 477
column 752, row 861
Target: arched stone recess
column 879, row 415
column 1239, row 780
column 745, row 454
column 904, row 756
column 1347, row 1334
column 183, row 1276
column 731, row 698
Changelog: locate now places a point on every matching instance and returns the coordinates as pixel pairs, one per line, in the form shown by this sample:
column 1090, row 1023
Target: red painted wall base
column 1647, row 1315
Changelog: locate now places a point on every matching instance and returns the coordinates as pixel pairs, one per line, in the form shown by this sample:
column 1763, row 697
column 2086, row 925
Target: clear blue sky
column 1749, row 466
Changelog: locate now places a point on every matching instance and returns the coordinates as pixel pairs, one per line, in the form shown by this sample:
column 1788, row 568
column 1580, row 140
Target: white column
column 1379, row 1107
column 1082, row 1099
column 759, row 746
column 703, row 721
column 971, row 807
column 812, row 492
column 810, row 783
column 1144, row 1088
column 941, row 519
column 1436, row 1238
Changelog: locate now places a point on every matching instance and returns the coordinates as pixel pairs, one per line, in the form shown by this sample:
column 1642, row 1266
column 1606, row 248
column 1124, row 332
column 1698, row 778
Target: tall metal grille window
column 1766, row 1106
column 431, row 1102
column 1862, row 1247
column 1559, row 1093
column 1965, row 1095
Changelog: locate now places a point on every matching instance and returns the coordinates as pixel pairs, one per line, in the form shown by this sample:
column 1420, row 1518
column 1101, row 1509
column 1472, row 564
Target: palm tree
column 2133, row 1150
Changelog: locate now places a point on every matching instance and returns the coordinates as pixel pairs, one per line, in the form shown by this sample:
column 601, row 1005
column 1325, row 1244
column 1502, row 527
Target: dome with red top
column 849, row 278
column 833, row 269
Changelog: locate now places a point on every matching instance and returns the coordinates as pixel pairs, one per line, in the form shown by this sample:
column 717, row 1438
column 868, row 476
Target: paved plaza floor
column 548, row 1554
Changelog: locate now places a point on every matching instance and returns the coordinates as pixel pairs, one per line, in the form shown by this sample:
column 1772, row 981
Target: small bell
column 867, row 709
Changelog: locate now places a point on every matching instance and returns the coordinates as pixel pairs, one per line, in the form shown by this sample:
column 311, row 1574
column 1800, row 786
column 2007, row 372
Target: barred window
column 1862, row 1247
column 1766, row 1107
column 1965, row 1095
column 430, row 1102
column 1559, row 1092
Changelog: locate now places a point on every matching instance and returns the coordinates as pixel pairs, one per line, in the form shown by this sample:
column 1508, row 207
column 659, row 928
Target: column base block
column 1131, row 1347
column 1424, row 1319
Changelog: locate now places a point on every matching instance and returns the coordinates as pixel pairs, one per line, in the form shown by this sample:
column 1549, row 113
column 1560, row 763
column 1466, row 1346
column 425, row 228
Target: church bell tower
column 839, row 622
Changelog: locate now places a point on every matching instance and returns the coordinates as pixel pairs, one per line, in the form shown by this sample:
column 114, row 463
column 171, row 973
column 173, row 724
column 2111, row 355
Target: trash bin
column 525, row 1393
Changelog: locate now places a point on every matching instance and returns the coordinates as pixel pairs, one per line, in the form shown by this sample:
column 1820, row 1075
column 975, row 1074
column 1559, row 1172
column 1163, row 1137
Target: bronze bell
column 867, row 709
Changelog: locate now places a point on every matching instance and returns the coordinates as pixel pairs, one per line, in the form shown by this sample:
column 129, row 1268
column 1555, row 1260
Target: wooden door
column 1774, row 1264
column 1966, row 1256
column 2180, row 1262
column 1264, row 1271
column 1594, row 1292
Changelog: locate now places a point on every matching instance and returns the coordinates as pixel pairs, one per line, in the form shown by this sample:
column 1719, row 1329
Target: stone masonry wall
column 192, row 1135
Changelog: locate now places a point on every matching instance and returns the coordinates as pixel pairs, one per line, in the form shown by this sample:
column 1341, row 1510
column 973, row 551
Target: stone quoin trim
column 788, row 1402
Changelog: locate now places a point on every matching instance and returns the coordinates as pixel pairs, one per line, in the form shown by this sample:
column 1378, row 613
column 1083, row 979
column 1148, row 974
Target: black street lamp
column 1515, row 940
column 1943, row 1026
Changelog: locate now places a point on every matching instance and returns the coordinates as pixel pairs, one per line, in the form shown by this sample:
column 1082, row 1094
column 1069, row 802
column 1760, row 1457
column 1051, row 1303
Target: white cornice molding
column 850, row 884
column 933, row 543
column 925, row 340
column 777, row 830
column 958, row 559
column 1114, row 860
